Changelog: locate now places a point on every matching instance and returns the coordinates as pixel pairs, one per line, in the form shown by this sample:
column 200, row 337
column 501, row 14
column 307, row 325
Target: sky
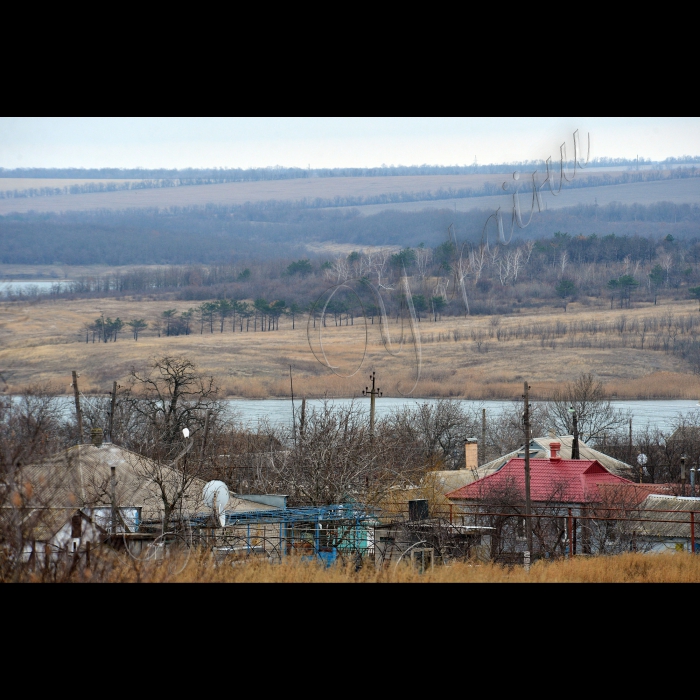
column 329, row 142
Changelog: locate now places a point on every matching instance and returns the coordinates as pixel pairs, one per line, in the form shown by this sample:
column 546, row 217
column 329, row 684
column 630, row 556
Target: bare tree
column 379, row 262
column 477, row 260
column 424, row 257
column 337, row 460
column 594, row 410
column 171, row 395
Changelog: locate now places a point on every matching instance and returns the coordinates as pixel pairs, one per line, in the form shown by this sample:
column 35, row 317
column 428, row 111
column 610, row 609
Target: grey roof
column 81, row 477
column 676, row 523
column 539, row 449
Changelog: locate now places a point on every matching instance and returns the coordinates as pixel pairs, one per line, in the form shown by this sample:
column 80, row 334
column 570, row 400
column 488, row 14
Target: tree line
column 487, row 189
column 280, row 173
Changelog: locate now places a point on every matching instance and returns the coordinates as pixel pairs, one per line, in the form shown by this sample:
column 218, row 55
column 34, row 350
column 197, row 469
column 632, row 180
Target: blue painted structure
column 325, row 532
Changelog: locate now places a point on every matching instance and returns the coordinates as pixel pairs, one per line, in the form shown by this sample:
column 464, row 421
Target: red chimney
column 554, row 448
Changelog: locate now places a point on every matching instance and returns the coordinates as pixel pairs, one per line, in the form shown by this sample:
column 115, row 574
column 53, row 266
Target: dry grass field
column 675, row 191
column 42, row 343
column 27, row 183
column 236, row 193
column 625, row 568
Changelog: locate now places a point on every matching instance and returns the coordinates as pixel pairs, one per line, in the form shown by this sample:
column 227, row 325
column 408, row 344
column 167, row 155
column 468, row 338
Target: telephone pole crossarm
column 372, row 393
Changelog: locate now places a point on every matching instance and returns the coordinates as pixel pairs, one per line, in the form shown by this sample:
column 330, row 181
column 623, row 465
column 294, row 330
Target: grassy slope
column 43, row 343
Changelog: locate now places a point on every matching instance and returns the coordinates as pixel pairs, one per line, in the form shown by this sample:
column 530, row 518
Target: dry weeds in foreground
column 626, row 568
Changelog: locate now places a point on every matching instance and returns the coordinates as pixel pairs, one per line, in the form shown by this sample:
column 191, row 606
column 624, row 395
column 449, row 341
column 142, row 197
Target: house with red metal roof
column 575, row 501
column 553, row 480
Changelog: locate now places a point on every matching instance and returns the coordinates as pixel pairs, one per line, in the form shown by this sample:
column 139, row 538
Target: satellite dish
column 642, row 460
column 186, row 432
column 216, row 491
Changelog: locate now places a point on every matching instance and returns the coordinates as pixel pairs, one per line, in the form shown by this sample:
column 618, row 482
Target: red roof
column 563, row 480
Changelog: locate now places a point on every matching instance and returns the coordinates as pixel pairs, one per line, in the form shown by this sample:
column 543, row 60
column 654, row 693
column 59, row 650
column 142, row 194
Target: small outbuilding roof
column 673, row 515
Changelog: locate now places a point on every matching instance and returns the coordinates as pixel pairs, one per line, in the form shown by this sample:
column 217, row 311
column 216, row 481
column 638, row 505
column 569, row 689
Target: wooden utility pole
column 528, row 502
column 294, row 418
column 372, row 396
column 206, row 434
column 78, row 414
column 483, row 437
column 111, row 412
column 113, row 528
column 575, row 454
column 629, row 461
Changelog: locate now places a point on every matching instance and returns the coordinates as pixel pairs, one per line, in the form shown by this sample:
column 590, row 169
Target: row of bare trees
column 171, row 418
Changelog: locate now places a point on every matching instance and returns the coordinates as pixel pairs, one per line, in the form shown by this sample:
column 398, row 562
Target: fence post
column 692, row 533
column 571, row 537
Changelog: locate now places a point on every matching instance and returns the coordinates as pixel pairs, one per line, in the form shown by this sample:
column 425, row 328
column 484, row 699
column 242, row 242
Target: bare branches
column 172, row 396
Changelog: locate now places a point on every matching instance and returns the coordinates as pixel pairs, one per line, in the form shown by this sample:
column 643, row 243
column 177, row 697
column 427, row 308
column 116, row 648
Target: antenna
column 216, row 496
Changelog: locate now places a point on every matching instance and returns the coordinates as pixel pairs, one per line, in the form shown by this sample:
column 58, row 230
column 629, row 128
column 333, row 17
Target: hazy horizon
column 329, row 142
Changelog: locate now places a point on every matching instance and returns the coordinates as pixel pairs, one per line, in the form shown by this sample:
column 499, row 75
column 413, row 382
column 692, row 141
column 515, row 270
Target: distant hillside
column 224, row 234
column 279, row 173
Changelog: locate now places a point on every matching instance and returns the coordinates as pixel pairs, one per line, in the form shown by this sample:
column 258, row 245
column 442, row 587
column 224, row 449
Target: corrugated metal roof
column 565, row 480
column 676, row 523
column 447, row 481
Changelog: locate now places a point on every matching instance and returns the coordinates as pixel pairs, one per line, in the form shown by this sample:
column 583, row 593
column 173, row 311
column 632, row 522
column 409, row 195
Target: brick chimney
column 554, row 448
column 96, row 437
column 471, row 453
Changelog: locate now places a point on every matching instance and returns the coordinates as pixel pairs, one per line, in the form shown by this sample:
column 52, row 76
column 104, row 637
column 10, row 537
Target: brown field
column 27, row 183
column 624, row 568
column 42, row 343
column 675, row 191
column 236, row 193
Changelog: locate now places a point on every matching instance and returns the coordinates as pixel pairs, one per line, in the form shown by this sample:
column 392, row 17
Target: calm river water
column 659, row 414
column 279, row 411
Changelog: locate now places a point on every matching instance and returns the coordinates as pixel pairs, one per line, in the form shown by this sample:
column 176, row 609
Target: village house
column 75, row 497
column 560, row 490
column 540, row 448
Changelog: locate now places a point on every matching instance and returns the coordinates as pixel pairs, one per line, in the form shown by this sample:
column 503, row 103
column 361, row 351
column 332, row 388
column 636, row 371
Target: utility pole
column 372, row 396
column 294, row 418
column 483, row 437
column 629, row 461
column 682, row 475
column 528, row 503
column 302, row 420
column 78, row 414
column 113, row 474
column 111, row 412
column 574, row 444
column 206, row 434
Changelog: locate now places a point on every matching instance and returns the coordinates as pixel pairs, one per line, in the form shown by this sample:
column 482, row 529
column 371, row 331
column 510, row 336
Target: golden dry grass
column 41, row 343
column 625, row 568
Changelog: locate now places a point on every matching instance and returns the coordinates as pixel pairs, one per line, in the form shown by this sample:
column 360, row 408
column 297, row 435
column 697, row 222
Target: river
column 661, row 414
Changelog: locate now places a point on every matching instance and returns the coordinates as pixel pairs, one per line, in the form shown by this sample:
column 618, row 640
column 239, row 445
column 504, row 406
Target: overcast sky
column 326, row 142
